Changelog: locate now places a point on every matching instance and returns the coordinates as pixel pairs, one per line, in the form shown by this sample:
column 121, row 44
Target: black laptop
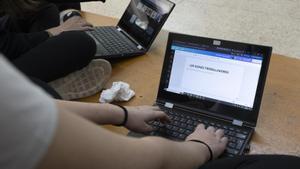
column 215, row 82
column 135, row 32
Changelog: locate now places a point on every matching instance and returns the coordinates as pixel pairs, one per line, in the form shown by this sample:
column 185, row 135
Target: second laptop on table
column 135, row 32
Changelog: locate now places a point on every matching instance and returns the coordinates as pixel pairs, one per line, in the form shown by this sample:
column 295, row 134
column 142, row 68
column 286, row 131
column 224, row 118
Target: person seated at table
column 40, row 132
column 33, row 39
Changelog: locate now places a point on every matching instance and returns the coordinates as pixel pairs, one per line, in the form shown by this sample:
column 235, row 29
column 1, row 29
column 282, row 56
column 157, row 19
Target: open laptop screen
column 209, row 73
column 221, row 77
column 143, row 19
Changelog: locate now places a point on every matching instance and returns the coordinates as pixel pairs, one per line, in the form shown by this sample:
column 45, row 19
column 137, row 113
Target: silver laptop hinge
column 169, row 105
column 237, row 122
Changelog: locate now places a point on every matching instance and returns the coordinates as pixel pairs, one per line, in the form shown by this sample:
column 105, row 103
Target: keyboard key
column 161, row 125
column 183, row 125
column 181, row 136
column 190, row 122
column 241, row 136
column 190, row 127
column 212, row 124
column 183, row 120
column 175, row 134
column 231, row 133
column 245, row 132
column 232, row 151
column 232, row 145
column 176, row 123
column 188, row 132
column 174, row 128
column 181, row 130
column 168, row 126
column 239, row 144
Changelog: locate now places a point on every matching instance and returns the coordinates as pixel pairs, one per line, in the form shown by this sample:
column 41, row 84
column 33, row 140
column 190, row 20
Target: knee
column 80, row 45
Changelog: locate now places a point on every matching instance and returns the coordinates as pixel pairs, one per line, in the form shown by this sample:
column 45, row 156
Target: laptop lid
column 221, row 78
column 143, row 19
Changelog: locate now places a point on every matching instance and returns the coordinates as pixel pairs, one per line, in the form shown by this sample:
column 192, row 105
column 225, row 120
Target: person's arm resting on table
column 81, row 144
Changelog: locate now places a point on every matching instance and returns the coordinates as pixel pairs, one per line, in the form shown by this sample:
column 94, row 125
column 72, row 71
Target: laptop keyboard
column 183, row 125
column 112, row 41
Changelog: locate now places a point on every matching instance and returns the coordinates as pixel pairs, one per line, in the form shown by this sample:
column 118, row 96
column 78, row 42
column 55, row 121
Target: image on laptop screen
column 215, row 74
column 144, row 18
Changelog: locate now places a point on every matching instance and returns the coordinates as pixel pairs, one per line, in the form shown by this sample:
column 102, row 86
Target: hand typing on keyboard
column 139, row 116
column 215, row 139
column 75, row 23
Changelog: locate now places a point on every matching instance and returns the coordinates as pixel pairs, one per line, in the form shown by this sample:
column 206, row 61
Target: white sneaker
column 85, row 82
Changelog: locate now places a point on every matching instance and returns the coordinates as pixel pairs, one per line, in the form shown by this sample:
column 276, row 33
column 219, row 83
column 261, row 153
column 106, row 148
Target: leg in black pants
column 58, row 56
column 55, row 57
column 255, row 162
column 64, row 6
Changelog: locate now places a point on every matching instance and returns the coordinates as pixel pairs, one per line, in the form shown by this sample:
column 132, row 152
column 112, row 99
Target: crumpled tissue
column 120, row 91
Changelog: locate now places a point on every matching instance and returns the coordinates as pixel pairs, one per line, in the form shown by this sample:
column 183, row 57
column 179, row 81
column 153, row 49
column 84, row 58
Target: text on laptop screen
column 144, row 18
column 214, row 73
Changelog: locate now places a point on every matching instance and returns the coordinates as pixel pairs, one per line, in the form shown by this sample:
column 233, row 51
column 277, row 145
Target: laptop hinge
column 169, row 105
column 237, row 122
column 140, row 47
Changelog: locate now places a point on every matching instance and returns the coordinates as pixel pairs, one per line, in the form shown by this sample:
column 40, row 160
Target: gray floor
column 268, row 22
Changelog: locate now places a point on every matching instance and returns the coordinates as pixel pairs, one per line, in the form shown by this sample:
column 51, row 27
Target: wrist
column 117, row 114
column 125, row 117
column 200, row 150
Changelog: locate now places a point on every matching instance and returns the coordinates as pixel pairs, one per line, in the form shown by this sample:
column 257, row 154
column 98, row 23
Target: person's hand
column 215, row 139
column 138, row 117
column 76, row 23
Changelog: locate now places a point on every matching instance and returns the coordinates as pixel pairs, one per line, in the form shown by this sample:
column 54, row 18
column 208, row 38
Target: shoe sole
column 85, row 82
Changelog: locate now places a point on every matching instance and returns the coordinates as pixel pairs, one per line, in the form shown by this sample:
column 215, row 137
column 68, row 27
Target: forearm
column 175, row 155
column 80, row 144
column 95, row 112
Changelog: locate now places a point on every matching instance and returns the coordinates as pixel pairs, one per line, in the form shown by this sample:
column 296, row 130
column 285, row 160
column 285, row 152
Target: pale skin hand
column 76, row 23
column 138, row 117
column 214, row 138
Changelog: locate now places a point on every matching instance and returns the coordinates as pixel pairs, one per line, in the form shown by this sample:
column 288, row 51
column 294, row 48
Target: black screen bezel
column 223, row 111
column 122, row 24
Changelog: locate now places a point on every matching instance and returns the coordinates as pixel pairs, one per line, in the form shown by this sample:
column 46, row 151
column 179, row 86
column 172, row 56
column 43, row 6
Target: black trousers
column 255, row 162
column 55, row 57
column 64, row 6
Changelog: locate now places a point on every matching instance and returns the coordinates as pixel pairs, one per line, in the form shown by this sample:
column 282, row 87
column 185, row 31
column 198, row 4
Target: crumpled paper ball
column 120, row 91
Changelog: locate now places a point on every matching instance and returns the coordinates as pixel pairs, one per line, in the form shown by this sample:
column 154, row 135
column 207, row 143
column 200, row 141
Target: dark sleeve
column 71, row 1
column 12, row 45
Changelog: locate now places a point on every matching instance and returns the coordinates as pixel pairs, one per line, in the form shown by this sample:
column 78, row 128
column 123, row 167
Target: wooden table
column 278, row 127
